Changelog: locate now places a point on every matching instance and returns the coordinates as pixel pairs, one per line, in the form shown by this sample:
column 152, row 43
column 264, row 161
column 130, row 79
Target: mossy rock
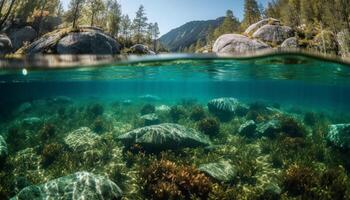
column 83, row 40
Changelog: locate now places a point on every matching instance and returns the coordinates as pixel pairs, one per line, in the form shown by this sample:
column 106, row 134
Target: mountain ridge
column 188, row 34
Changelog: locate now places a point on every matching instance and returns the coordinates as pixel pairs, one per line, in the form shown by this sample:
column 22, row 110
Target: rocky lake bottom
column 144, row 148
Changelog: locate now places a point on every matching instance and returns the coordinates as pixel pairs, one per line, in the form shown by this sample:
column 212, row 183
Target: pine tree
column 125, row 28
column 73, row 14
column 251, row 13
column 95, row 8
column 155, row 36
column 140, row 24
column 114, row 17
column 4, row 14
column 229, row 25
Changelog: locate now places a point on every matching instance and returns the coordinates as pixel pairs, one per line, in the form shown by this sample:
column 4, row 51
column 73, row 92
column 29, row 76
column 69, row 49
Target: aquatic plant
column 15, row 139
column 98, row 125
column 166, row 180
column 299, row 180
column 292, row 127
column 95, row 110
column 47, row 132
column 50, row 153
column 310, row 118
column 148, row 109
column 209, row 126
column 197, row 113
column 177, row 112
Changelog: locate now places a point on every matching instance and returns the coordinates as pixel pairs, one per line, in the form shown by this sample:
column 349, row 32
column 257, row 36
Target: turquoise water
column 40, row 111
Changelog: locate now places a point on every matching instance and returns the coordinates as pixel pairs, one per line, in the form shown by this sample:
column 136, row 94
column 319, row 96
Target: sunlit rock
column 164, row 136
column 222, row 171
column 235, row 43
column 290, row 43
column 5, row 44
column 226, row 108
column 274, row 34
column 81, row 185
column 82, row 139
column 254, row 27
column 339, row 135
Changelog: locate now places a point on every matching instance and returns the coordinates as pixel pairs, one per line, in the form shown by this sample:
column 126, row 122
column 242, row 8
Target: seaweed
column 209, row 126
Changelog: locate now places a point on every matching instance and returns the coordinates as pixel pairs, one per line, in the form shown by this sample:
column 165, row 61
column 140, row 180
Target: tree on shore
column 114, row 17
column 95, row 8
column 229, row 25
column 155, row 36
column 74, row 11
column 3, row 5
column 251, row 13
column 139, row 24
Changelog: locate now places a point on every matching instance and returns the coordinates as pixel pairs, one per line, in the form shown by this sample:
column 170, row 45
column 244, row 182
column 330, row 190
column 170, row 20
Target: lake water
column 180, row 128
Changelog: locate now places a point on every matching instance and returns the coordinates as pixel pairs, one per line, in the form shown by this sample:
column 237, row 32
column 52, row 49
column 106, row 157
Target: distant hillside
column 188, row 34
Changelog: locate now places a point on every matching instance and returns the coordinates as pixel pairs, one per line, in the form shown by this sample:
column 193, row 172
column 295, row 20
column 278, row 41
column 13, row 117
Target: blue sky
column 173, row 13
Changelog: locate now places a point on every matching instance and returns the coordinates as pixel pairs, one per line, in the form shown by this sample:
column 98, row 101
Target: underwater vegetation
column 167, row 180
column 223, row 149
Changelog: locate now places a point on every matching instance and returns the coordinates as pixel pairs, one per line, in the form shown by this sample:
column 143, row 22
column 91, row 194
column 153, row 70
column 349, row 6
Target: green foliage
column 229, row 25
column 251, row 13
column 209, row 126
column 139, row 25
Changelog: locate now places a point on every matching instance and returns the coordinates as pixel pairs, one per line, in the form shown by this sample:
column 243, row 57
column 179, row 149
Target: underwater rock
column 164, row 136
column 163, row 108
column 23, row 108
column 235, row 43
column 5, row 44
column 149, row 97
column 82, row 139
column 290, row 43
column 273, row 33
column 248, row 129
column 269, row 129
column 226, row 108
column 30, row 121
column 339, row 135
column 254, row 27
column 150, row 119
column 62, row 100
column 3, row 148
column 221, row 171
column 81, row 185
column 127, row 102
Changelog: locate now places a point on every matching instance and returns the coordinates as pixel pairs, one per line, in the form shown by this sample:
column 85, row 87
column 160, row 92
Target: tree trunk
column 7, row 14
column 44, row 2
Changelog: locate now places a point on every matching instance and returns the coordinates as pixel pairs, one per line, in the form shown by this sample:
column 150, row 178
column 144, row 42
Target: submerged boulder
column 164, row 136
column 254, row 27
column 5, row 44
column 81, row 185
column 235, row 43
column 290, row 43
column 140, row 49
column 222, row 171
column 82, row 139
column 150, row 119
column 3, row 148
column 248, row 129
column 273, row 33
column 269, row 129
column 85, row 40
column 21, row 36
column 339, row 135
column 226, row 108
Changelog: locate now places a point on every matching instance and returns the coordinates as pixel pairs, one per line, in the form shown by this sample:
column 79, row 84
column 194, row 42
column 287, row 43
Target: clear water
column 293, row 85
